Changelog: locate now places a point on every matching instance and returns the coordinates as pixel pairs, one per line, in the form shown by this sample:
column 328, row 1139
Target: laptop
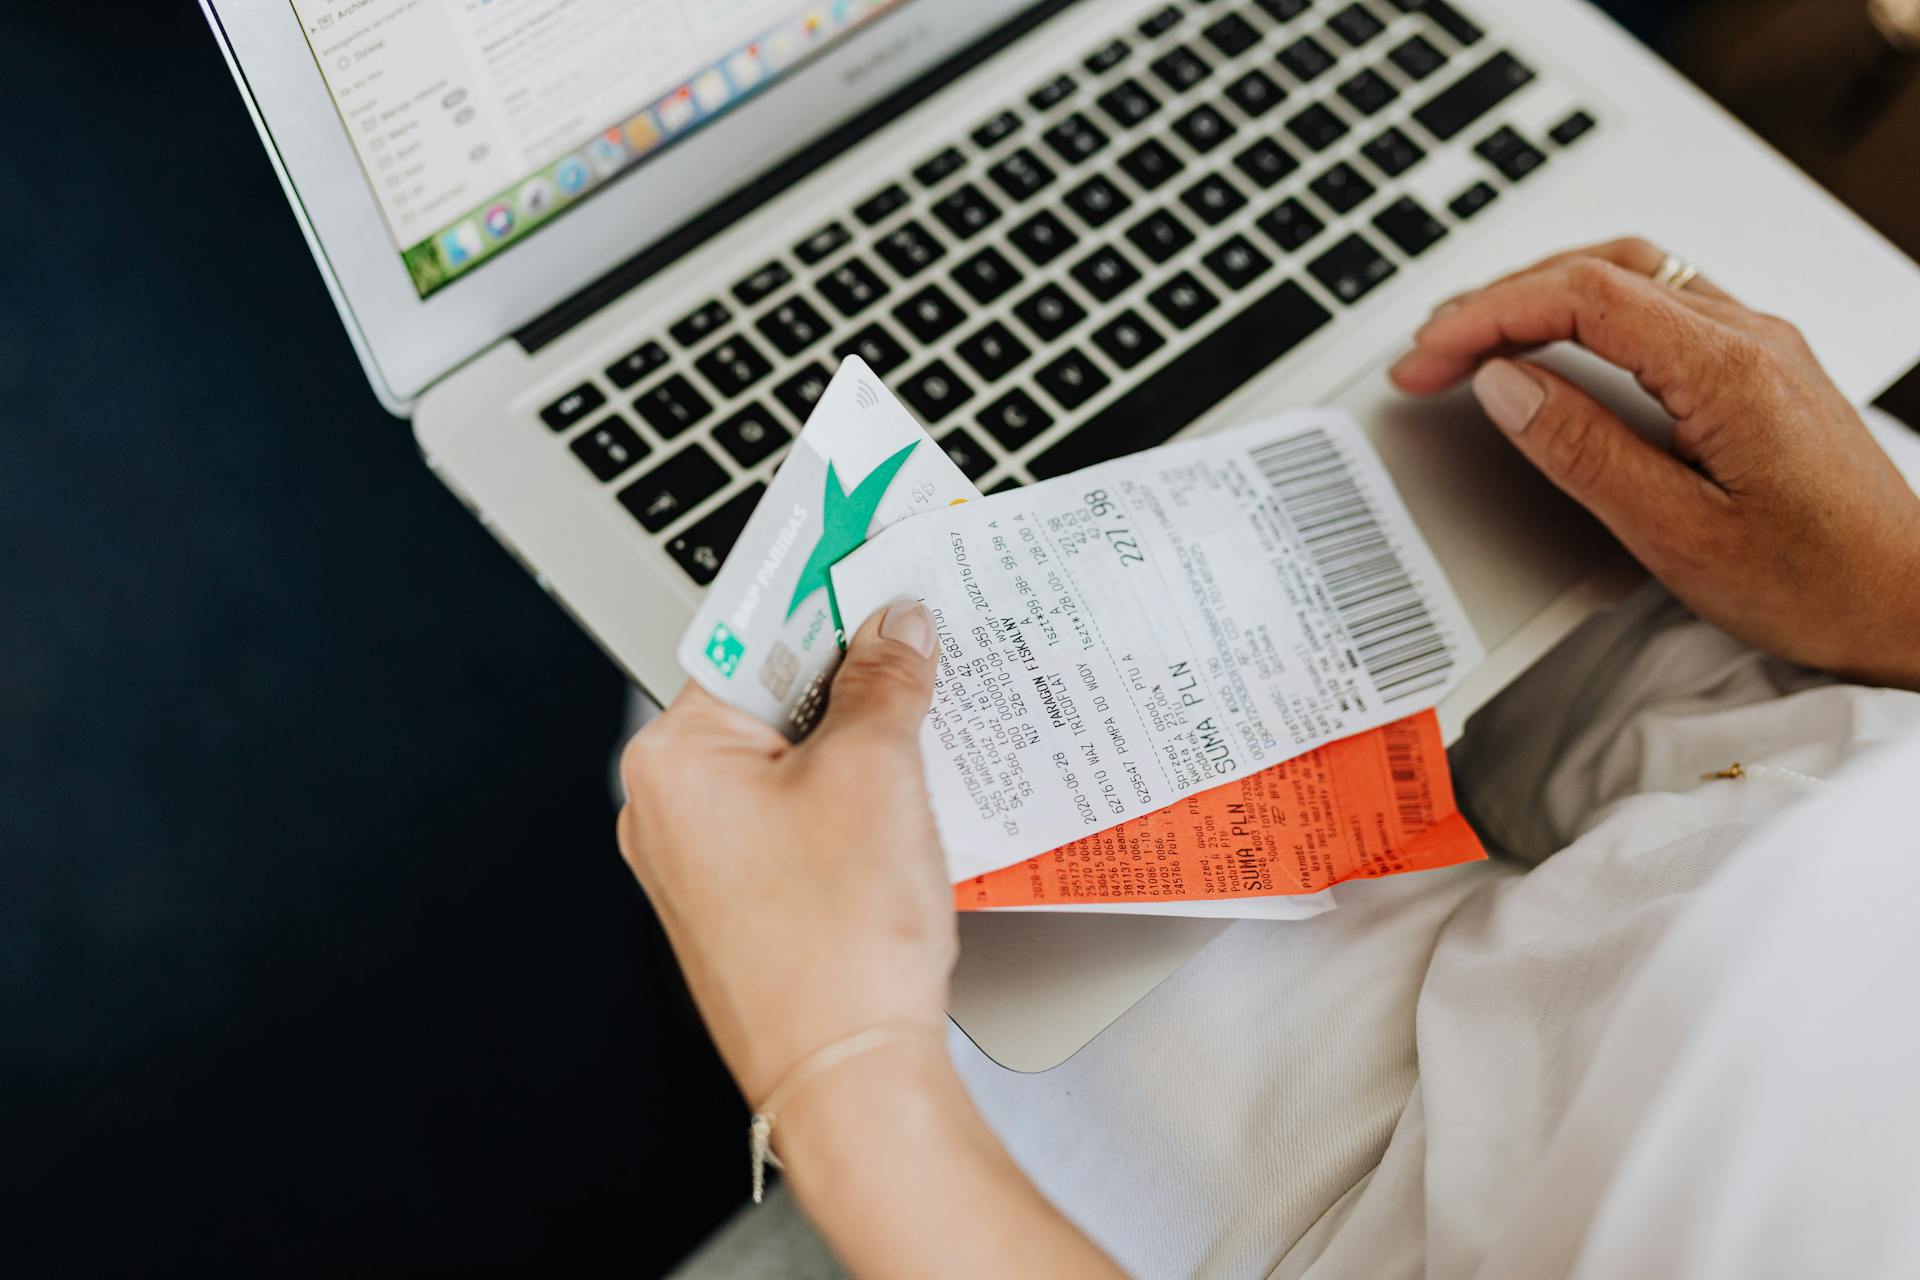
column 603, row 254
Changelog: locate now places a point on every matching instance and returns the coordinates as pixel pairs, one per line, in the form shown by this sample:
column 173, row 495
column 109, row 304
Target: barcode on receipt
column 1407, row 765
column 1393, row 633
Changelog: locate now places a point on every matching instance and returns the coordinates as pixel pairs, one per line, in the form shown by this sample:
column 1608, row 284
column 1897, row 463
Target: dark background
column 315, row 951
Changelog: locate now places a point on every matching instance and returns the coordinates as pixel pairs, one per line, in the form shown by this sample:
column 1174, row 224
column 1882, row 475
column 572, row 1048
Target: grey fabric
column 770, row 1241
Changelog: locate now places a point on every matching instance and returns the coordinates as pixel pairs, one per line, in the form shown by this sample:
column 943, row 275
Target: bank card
column 770, row 632
column 1118, row 639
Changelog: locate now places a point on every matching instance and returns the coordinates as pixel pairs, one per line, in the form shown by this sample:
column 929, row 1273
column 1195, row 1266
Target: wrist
column 1895, row 657
column 899, row 1094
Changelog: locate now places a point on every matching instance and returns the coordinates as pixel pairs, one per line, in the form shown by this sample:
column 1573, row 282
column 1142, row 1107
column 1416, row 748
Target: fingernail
column 908, row 623
column 1451, row 304
column 1403, row 364
column 1511, row 396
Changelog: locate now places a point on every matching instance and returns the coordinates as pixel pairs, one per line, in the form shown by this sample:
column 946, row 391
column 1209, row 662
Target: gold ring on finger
column 1676, row 273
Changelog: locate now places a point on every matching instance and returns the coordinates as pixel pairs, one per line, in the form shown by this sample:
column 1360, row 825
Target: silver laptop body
column 603, row 255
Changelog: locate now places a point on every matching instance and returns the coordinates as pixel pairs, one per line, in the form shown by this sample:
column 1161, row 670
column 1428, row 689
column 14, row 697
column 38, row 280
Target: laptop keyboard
column 1084, row 273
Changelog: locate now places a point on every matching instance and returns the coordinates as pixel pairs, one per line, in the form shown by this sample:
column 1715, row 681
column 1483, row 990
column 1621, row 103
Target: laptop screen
column 476, row 122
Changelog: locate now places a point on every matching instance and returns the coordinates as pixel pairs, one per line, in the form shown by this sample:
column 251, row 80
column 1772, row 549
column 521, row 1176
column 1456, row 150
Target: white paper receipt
column 1117, row 639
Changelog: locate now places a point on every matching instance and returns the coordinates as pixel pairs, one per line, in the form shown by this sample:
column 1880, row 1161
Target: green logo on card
column 844, row 520
column 724, row 649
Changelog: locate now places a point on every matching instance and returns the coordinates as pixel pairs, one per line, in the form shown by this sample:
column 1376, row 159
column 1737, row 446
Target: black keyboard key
column 1014, row 419
column 1356, row 25
column 1051, row 94
column 1318, row 127
column 993, row 352
column 1407, row 223
column 1342, row 189
column 937, row 168
column 1213, row 199
column 1232, row 35
column 751, row 435
column 1106, row 57
column 1452, row 21
column 1005, row 484
column 1160, row 235
column 1159, row 22
column 816, row 248
column 1291, row 225
column 1180, row 68
column 1106, row 274
column 1351, row 269
column 1472, row 200
column 873, row 344
column 700, row 324
column 851, row 287
column 1417, row 57
column 1473, row 95
column 733, row 365
column 1572, row 129
column 935, row 391
column 1049, row 312
column 967, row 212
column 995, row 130
column 1129, row 102
column 1192, row 383
column 672, row 406
column 986, row 275
column 1203, row 128
column 793, row 326
column 1237, row 263
column 1128, row 339
column 909, row 249
column 1097, row 201
column 1075, row 138
column 929, row 314
column 1043, row 237
column 703, row 548
column 1393, row 153
column 637, row 364
column 1284, row 10
column 798, row 394
column 1306, row 58
column 1021, row 175
column 1511, row 154
column 608, row 448
column 1256, row 93
column 967, row 453
column 881, row 205
column 674, row 488
column 1183, row 300
column 1151, row 164
column 1266, row 162
column 760, row 286
column 1072, row 380
column 1369, row 92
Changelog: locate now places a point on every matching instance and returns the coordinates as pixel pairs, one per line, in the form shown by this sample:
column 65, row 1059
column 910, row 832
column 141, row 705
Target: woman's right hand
column 1776, row 515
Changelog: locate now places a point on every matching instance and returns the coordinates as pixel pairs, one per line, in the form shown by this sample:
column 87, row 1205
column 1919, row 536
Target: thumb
column 885, row 683
column 1578, row 443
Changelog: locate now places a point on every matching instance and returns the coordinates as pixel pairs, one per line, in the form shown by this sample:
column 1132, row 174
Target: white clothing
column 1667, row 1049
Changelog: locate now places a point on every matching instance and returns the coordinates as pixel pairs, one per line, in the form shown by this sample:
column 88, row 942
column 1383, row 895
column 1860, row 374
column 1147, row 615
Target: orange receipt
column 1376, row 804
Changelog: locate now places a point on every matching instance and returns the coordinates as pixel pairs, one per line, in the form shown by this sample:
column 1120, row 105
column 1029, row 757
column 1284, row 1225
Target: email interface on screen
column 478, row 120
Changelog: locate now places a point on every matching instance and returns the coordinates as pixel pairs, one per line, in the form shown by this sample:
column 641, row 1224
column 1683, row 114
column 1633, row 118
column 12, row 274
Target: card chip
column 778, row 671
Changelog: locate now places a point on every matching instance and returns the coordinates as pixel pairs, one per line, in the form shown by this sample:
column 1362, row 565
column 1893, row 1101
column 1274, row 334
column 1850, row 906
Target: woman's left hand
column 802, row 888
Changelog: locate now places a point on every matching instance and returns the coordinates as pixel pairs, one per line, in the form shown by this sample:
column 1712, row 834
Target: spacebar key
column 1224, row 361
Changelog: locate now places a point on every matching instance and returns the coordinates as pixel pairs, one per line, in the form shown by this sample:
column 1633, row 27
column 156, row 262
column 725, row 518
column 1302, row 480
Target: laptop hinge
column 702, row 226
